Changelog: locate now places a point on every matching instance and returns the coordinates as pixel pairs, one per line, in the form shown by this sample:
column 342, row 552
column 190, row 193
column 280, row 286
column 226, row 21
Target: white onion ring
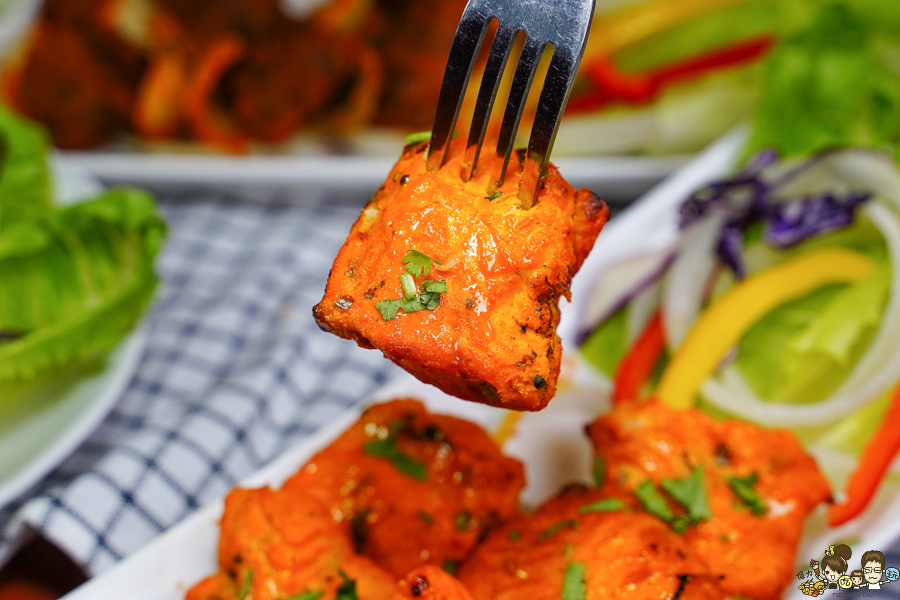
column 686, row 279
column 876, row 371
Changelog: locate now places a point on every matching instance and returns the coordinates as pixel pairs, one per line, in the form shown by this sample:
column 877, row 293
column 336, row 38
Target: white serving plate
column 40, row 432
column 550, row 443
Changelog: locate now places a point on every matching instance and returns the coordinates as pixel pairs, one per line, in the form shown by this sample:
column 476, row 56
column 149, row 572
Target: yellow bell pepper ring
column 723, row 324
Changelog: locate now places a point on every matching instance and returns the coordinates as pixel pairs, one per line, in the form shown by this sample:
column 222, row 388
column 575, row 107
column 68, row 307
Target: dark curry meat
column 753, row 552
column 623, row 554
column 410, row 487
column 492, row 338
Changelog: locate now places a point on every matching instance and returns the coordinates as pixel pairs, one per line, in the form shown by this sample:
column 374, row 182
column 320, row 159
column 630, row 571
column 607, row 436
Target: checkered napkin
column 235, row 372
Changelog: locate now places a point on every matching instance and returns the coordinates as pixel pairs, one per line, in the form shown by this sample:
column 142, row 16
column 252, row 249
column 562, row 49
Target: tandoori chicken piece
column 760, row 485
column 276, row 545
column 460, row 286
column 430, row 582
column 409, row 487
column 585, row 544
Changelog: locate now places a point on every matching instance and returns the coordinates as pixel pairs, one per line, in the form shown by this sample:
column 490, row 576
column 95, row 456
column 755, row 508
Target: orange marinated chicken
column 760, row 486
column 409, row 487
column 430, row 582
column 483, row 276
column 276, row 544
column 571, row 544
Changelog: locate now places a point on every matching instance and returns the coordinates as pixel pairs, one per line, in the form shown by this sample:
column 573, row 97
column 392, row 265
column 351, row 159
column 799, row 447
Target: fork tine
column 554, row 95
column 463, row 52
column 518, row 94
column 490, row 81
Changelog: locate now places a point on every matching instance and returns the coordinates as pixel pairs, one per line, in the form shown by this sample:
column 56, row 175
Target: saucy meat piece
column 410, row 487
column 615, row 553
column 276, row 544
column 430, row 582
column 490, row 335
column 760, row 486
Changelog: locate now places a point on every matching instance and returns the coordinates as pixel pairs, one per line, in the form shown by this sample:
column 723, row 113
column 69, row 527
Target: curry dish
column 478, row 314
column 406, row 504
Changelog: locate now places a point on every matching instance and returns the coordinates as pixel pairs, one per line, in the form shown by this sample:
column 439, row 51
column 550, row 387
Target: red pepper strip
column 873, row 464
column 638, row 362
column 208, row 124
column 612, row 85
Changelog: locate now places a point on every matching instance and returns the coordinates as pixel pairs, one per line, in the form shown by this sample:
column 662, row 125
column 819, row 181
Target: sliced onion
column 877, row 370
column 642, row 307
column 686, row 280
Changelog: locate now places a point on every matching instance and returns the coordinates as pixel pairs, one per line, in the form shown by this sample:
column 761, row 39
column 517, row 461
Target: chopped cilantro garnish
column 690, row 493
column 347, row 589
column 494, row 196
column 434, row 287
column 462, row 521
column 418, row 136
column 425, row 517
column 605, row 505
column 653, row 502
column 418, row 263
column 388, row 308
column 245, row 586
column 307, row 595
column 599, row 471
column 450, row 566
column 556, row 527
column 513, row 535
column 387, row 448
column 743, row 489
column 573, row 587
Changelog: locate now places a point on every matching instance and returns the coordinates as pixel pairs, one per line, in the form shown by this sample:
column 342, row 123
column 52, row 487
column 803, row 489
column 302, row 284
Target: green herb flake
column 245, row 585
column 743, row 489
column 690, row 493
column 493, row 196
column 418, row 136
column 388, row 308
column 425, row 517
column 307, row 595
column 604, row 505
column 653, row 502
column 599, row 471
column 568, row 551
column 347, row 589
column 556, row 527
column 435, row 287
column 387, row 448
column 418, row 263
column 462, row 521
column 450, row 566
column 573, row 587
column 514, row 535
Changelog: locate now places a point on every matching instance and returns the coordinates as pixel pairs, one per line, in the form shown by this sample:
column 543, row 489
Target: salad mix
column 779, row 303
column 73, row 279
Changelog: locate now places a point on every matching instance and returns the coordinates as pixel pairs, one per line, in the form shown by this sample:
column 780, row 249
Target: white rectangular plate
column 549, row 443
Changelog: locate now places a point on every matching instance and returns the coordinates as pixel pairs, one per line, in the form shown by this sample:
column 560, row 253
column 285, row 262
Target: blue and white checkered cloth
column 235, row 372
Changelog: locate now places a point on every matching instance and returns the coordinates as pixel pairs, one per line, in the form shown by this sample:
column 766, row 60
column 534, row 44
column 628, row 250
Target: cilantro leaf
column 514, row 535
column 245, row 586
column 690, row 493
column 418, row 263
column 573, row 587
column 556, row 527
column 450, row 566
column 425, row 517
column 604, row 505
column 387, row 448
column 307, row 595
column 388, row 308
column 743, row 489
column 411, row 306
column 653, row 502
column 599, row 471
column 436, row 287
column 493, row 196
column 347, row 589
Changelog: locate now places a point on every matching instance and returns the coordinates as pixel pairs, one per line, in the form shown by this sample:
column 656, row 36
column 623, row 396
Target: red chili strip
column 638, row 363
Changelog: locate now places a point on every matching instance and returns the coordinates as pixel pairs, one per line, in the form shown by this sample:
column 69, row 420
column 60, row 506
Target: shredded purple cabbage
column 747, row 199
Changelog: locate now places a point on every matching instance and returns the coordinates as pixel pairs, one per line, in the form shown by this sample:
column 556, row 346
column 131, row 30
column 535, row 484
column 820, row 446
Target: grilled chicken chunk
column 460, row 286
column 760, row 485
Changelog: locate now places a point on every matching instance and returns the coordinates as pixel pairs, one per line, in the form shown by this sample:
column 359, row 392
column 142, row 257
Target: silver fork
column 564, row 24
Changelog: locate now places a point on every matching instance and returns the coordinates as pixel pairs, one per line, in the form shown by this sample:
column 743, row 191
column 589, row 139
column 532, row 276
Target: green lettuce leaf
column 803, row 349
column 605, row 347
column 75, row 281
column 827, row 86
column 25, row 185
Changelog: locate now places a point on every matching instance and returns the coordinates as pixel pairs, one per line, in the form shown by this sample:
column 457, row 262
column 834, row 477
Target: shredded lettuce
column 75, row 280
column 826, row 86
